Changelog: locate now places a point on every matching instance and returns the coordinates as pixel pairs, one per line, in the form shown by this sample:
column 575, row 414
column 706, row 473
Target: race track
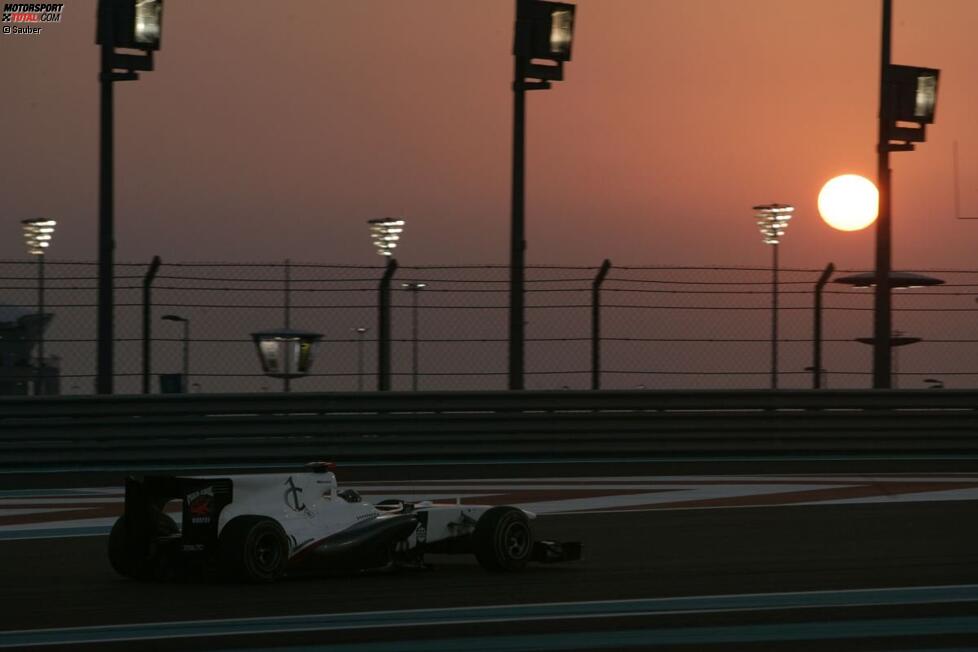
column 868, row 555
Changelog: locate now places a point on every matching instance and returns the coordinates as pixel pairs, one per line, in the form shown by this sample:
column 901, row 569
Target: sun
column 849, row 202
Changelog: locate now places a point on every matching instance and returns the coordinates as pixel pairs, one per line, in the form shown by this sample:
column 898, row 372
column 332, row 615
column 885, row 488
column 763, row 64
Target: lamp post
column 361, row 331
column 134, row 25
column 543, row 31
column 772, row 220
column 38, row 235
column 908, row 95
column 185, row 384
column 415, row 289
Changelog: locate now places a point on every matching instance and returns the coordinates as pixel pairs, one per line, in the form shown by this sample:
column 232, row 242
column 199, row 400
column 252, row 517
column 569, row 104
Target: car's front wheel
column 253, row 549
column 502, row 540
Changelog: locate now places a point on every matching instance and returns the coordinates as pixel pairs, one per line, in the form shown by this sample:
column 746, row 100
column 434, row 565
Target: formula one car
column 257, row 528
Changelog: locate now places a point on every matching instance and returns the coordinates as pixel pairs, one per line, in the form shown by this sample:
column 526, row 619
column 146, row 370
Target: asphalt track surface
column 880, row 575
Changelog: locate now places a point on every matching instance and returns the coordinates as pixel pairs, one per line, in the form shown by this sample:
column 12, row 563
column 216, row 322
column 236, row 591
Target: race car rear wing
column 202, row 500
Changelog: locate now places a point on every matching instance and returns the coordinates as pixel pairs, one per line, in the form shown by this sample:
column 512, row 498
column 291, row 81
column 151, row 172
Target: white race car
column 258, row 528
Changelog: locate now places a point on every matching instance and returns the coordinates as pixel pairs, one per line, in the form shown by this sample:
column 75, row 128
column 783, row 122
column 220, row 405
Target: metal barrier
column 87, row 432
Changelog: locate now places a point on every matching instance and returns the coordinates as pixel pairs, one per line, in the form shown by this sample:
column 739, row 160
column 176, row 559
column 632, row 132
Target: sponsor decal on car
column 199, row 505
column 292, row 496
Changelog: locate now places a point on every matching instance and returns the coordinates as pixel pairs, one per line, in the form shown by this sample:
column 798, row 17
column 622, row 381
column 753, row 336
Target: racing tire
column 124, row 556
column 502, row 539
column 253, row 549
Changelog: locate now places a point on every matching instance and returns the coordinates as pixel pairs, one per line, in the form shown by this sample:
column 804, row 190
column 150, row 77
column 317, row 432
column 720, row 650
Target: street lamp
column 134, row 25
column 38, row 235
column 285, row 353
column 908, row 96
column 544, row 31
column 185, row 382
column 361, row 331
column 415, row 289
column 772, row 220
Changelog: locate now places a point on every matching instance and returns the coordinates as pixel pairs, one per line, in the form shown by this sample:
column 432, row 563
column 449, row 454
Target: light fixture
column 772, row 220
column 385, row 233
column 550, row 28
column 136, row 24
column 913, row 100
column 915, row 93
column 285, row 352
column 147, row 23
column 38, row 234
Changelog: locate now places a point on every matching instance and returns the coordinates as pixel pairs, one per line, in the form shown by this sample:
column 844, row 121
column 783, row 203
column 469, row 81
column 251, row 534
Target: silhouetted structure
column 19, row 330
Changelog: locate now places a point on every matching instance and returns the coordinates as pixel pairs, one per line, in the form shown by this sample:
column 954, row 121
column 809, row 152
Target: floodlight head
column 148, row 21
column 414, row 286
column 385, row 233
column 38, row 235
column 174, row 318
column 544, row 30
column 134, row 24
column 914, row 93
column 772, row 220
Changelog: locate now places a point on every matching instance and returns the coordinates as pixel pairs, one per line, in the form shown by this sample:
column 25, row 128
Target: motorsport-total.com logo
column 25, row 16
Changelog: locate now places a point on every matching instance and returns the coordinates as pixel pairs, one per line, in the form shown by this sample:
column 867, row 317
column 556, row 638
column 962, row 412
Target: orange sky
column 274, row 130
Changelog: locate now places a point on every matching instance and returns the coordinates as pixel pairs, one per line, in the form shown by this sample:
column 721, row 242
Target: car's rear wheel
column 253, row 549
column 502, row 540
column 132, row 558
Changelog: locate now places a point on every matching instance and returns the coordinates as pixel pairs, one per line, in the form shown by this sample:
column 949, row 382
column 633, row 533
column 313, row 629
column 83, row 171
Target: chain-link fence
column 661, row 327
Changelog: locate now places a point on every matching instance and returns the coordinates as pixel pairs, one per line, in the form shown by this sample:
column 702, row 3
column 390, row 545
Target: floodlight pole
column 106, row 240
column 517, row 255
column 109, row 38
column 384, row 327
column 39, row 379
column 882, row 300
column 414, row 288
column 774, row 316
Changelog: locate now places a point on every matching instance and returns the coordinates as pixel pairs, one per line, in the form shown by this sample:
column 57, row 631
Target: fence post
column 154, row 266
column 596, row 324
column 384, row 327
column 817, row 335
